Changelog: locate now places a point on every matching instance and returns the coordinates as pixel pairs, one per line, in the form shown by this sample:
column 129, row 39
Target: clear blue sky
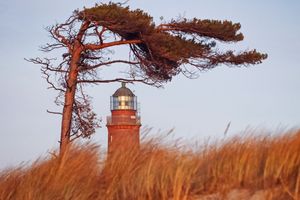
column 265, row 96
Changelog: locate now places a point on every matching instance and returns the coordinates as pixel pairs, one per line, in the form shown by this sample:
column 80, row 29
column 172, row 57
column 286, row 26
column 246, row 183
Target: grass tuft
column 163, row 171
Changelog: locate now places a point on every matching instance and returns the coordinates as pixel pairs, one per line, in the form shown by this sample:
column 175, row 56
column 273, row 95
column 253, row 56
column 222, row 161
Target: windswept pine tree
column 157, row 53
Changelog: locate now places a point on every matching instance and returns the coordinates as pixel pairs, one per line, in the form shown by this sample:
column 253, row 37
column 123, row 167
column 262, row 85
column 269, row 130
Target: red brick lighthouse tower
column 124, row 123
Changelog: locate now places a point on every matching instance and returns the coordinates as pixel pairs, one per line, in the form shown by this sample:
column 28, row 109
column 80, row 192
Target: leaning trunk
column 69, row 101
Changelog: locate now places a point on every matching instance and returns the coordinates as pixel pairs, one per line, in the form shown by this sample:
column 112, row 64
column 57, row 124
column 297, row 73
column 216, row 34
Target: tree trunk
column 69, row 100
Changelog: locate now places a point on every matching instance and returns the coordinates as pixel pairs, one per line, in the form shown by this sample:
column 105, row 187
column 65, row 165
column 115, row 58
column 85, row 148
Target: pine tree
column 157, row 53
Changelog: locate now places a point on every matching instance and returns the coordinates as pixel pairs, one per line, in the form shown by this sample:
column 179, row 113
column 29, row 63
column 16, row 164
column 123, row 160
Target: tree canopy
column 161, row 50
column 156, row 54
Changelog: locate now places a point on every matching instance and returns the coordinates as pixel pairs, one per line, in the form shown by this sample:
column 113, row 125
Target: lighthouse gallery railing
column 123, row 120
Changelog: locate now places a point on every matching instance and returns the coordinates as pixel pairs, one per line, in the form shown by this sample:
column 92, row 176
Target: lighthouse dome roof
column 123, row 91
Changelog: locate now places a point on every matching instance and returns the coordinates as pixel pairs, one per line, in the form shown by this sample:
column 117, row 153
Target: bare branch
column 84, row 119
column 74, row 138
column 112, row 80
column 100, row 33
column 52, row 112
column 46, row 63
column 126, row 80
column 89, row 67
column 55, row 31
column 46, row 66
column 50, row 47
column 188, row 73
column 47, row 77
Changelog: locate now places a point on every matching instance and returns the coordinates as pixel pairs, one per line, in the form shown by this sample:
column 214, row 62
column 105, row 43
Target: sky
column 262, row 97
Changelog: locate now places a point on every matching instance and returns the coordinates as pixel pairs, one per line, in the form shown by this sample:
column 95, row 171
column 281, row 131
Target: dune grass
column 164, row 171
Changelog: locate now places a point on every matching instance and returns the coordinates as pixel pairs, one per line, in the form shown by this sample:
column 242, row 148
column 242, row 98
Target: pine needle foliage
column 166, row 47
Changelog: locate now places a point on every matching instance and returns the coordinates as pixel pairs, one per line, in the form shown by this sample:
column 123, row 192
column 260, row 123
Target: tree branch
column 52, row 112
column 56, row 34
column 224, row 31
column 50, row 47
column 89, row 67
column 126, row 80
column 45, row 68
column 74, row 138
column 100, row 33
column 110, row 44
column 47, row 77
column 82, row 30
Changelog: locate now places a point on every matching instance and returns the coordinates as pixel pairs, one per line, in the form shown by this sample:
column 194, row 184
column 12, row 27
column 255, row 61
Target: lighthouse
column 124, row 123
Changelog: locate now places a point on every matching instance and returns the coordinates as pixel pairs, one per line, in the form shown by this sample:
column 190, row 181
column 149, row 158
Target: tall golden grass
column 162, row 171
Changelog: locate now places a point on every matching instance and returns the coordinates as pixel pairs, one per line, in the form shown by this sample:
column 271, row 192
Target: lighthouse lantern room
column 123, row 99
